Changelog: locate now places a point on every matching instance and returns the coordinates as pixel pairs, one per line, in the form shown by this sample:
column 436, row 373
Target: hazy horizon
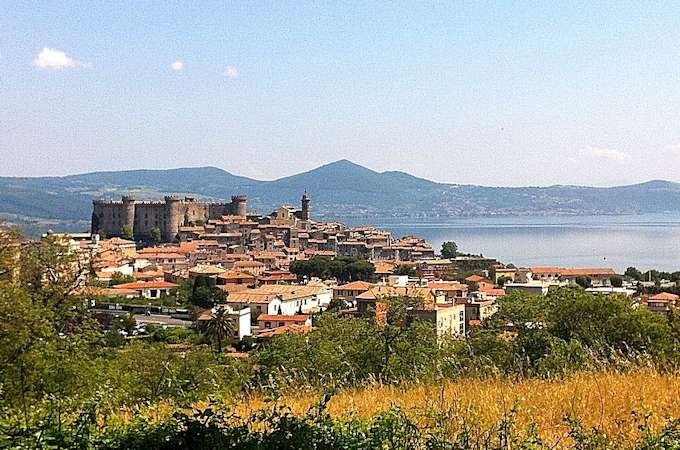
column 482, row 93
column 329, row 163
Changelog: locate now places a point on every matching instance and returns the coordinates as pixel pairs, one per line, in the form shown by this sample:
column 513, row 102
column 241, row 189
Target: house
column 483, row 284
column 241, row 318
column 253, row 267
column 268, row 321
column 276, row 277
column 451, row 290
column 599, row 277
column 436, row 268
column 150, row 289
column 662, row 303
column 206, row 271
column 236, row 277
column 281, row 299
column 310, row 298
column 448, row 319
column 293, row 329
column 348, row 292
column 371, row 298
column 479, row 311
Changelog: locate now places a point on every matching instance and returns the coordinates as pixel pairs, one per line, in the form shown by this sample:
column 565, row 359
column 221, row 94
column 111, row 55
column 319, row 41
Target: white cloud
column 177, row 65
column 231, row 72
column 605, row 153
column 50, row 58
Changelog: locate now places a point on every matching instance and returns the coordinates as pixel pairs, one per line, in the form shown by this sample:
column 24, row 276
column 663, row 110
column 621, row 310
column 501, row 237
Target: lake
column 645, row 241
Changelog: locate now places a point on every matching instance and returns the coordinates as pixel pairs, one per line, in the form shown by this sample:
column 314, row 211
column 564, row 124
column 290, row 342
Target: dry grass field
column 613, row 402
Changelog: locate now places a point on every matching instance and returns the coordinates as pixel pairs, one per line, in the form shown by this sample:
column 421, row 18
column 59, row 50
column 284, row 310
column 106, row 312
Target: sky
column 492, row 93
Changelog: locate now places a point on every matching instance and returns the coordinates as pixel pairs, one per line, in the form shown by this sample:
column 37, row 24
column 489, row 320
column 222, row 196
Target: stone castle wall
column 110, row 217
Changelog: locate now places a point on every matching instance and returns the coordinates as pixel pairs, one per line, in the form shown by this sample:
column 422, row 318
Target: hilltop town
column 276, row 273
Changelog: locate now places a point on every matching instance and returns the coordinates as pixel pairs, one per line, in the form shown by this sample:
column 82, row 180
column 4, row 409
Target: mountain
column 339, row 190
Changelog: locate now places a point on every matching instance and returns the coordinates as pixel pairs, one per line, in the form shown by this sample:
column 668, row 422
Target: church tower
column 306, row 213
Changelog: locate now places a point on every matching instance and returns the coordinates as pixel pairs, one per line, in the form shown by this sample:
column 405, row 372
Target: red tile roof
column 147, row 285
column 282, row 318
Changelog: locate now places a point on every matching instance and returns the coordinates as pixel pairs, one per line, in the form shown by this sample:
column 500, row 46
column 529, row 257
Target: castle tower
column 129, row 212
column 239, row 205
column 172, row 218
column 306, row 213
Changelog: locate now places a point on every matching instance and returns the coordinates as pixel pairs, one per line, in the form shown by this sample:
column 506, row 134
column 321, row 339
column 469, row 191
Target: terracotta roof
column 546, row 270
column 475, row 278
column 391, row 291
column 147, row 285
column 249, row 264
column 665, row 297
column 250, row 296
column 588, row 271
column 235, row 275
column 206, row 270
column 232, row 287
column 292, row 328
column 442, row 286
column 282, row 318
column 356, row 286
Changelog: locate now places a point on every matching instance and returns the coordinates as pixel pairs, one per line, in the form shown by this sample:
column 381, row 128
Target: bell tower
column 306, row 213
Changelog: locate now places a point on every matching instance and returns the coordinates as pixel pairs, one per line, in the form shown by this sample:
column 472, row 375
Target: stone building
column 142, row 217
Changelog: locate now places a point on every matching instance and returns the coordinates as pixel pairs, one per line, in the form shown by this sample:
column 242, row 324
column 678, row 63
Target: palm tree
column 220, row 327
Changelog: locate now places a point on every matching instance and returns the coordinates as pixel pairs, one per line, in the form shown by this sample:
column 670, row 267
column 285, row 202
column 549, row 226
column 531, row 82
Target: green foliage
column 634, row 273
column 220, row 328
column 449, row 249
column 204, row 294
column 502, row 280
column 343, row 268
column 616, row 281
column 119, row 278
column 406, row 269
column 584, row 281
column 127, row 233
column 276, row 427
column 156, row 235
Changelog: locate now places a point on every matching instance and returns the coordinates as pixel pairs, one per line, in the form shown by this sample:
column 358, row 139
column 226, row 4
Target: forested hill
column 339, row 189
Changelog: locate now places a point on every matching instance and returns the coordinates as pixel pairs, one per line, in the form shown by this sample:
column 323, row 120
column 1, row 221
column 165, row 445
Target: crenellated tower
column 239, row 205
column 172, row 218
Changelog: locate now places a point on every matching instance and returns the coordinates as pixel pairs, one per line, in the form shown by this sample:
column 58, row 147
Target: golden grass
column 605, row 400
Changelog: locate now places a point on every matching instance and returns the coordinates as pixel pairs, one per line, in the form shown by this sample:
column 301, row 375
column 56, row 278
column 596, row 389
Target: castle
column 141, row 218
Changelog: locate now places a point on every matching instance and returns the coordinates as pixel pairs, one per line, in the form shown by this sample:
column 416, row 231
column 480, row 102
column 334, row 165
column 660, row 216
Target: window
column 461, row 328
column 461, row 315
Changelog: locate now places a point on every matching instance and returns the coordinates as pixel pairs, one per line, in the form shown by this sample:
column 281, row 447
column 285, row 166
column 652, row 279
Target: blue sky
column 497, row 93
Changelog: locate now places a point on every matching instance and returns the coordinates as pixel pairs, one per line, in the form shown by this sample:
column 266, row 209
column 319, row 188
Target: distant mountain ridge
column 339, row 190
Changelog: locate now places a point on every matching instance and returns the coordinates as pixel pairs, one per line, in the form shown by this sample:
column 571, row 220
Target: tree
column 126, row 231
column 156, row 235
column 449, row 249
column 502, row 280
column 204, row 295
column 616, row 281
column 343, row 268
column 220, row 327
column 406, row 269
column 634, row 273
column 120, row 278
column 583, row 281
